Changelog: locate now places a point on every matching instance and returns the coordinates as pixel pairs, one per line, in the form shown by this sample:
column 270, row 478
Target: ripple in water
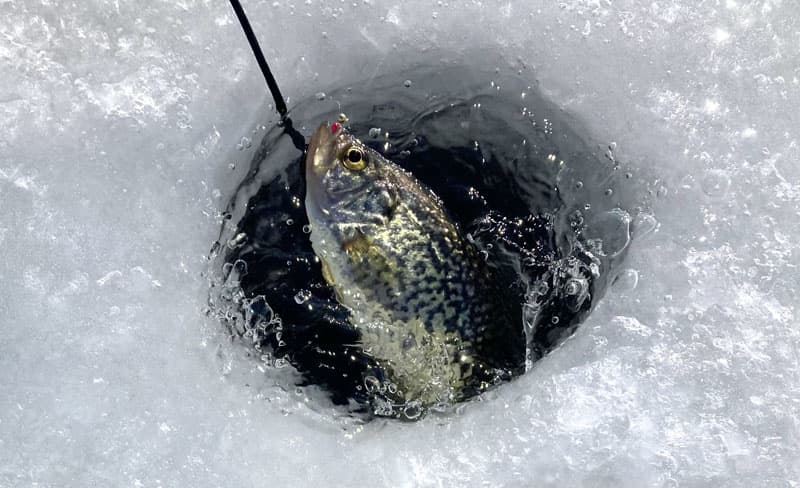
column 544, row 207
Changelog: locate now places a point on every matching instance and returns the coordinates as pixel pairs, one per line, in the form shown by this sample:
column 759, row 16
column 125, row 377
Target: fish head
column 348, row 185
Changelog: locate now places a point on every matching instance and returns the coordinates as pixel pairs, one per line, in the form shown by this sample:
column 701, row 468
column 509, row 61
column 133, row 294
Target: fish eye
column 354, row 159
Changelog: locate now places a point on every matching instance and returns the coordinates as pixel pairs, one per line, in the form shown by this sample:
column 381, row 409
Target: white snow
column 119, row 122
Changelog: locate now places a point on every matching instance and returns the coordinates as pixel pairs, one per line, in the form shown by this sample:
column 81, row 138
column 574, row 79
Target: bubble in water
column 407, row 83
column 613, row 229
column 302, row 297
column 320, row 96
column 579, row 185
column 573, row 287
column 643, row 224
column 306, row 229
column 372, row 383
column 289, row 221
column 412, row 410
column 715, row 183
column 375, row 132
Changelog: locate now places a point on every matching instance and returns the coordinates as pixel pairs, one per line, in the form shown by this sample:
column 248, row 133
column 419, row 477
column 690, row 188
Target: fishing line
column 298, row 139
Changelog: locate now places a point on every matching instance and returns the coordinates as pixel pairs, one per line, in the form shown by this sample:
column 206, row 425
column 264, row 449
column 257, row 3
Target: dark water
column 546, row 209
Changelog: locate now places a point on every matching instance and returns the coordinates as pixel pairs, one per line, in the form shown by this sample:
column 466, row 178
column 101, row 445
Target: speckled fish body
column 417, row 290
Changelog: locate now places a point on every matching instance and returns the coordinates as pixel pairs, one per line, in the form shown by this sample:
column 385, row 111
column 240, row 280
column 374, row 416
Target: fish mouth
column 319, row 158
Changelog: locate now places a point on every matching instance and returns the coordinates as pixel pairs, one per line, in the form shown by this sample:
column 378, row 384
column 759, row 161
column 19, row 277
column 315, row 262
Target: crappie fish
column 425, row 303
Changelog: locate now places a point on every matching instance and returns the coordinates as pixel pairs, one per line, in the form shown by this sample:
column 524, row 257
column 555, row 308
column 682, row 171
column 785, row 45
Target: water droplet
column 302, row 297
column 237, row 241
column 407, row 83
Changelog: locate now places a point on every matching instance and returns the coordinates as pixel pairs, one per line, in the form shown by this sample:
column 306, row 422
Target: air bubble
column 407, row 83
column 573, row 287
column 375, row 132
column 372, row 384
column 320, row 96
column 289, row 221
column 613, row 229
column 306, row 229
column 412, row 411
column 643, row 224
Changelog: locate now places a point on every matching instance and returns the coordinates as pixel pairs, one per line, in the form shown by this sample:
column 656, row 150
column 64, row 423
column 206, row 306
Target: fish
column 427, row 306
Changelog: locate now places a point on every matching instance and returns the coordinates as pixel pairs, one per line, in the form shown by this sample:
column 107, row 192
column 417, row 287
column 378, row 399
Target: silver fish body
column 422, row 298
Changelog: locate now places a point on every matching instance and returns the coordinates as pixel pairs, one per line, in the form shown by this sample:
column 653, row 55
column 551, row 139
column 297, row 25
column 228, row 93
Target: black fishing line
column 298, row 139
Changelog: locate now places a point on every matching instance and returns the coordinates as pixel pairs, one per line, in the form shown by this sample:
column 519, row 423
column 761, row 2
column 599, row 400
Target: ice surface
column 118, row 124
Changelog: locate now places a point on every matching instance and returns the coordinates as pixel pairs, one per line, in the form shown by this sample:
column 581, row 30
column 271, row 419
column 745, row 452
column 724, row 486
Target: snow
column 120, row 123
